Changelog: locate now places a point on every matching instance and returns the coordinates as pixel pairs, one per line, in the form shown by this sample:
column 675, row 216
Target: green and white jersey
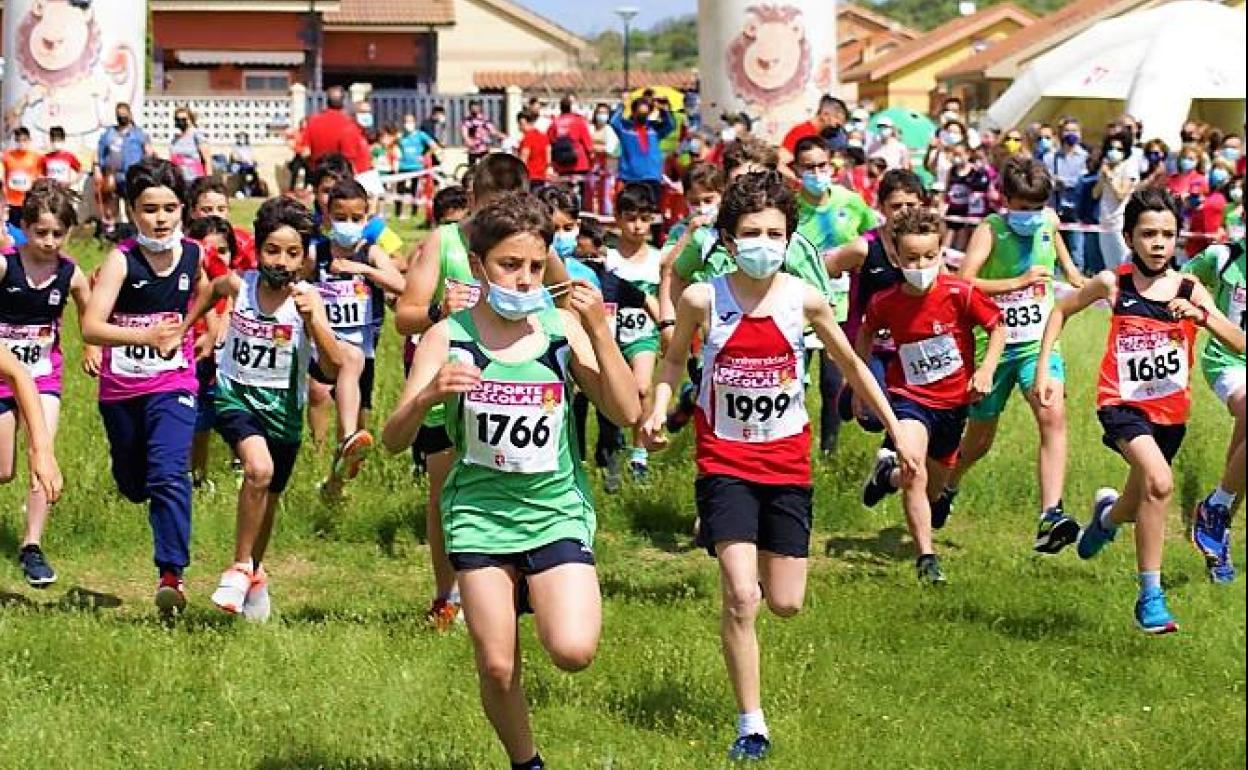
column 634, row 324
column 1221, row 269
column 453, row 267
column 517, row 483
column 1023, row 312
column 262, row 367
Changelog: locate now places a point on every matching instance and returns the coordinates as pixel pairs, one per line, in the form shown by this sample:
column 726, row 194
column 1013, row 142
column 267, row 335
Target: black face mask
column 276, row 277
column 181, row 124
column 123, row 120
column 1143, row 267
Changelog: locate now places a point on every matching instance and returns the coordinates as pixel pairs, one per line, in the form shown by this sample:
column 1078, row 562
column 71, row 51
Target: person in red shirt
column 21, row 168
column 534, row 150
column 208, row 199
column 830, row 117
column 60, row 165
column 572, row 144
column 216, row 236
column 932, row 317
column 334, row 131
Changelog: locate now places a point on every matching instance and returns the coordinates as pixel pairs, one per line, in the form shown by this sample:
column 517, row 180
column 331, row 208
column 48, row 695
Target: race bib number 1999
column 758, row 399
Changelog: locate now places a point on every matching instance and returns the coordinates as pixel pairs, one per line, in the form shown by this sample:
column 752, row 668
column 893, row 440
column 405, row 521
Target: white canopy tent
column 1161, row 65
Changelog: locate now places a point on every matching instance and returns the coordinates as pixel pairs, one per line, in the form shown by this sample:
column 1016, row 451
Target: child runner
column 1221, row 268
column 931, row 317
column 352, row 277
column 1143, row 395
column 25, row 400
column 753, row 435
column 516, row 506
column 21, row 169
column 209, row 199
column 36, row 281
column 635, row 261
column 147, row 381
column 262, row 379
column 1012, row 258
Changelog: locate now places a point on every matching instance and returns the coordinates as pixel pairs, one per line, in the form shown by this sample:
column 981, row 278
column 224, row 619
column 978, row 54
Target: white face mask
column 159, row 245
column 409, row 127
column 728, row 134
column 921, row 278
column 760, row 257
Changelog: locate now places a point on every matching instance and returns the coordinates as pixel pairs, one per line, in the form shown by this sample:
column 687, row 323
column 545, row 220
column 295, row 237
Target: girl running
column 261, row 386
column 516, row 509
column 147, row 379
column 753, row 433
column 25, row 401
column 1144, row 393
column 36, row 281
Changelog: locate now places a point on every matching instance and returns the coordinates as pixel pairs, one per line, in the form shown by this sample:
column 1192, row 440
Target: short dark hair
column 201, row 227
column 592, row 230
column 347, row 190
column 921, row 220
column 708, row 176
column 335, row 97
column 334, row 165
column 560, row 198
column 808, row 143
column 750, row 149
column 21, row 132
column 900, row 180
column 635, row 198
column 754, row 192
column 1027, row 179
column 496, row 174
column 206, row 184
column 56, row 134
column 511, row 214
column 828, row 100
column 1151, row 199
column 565, row 104
column 449, row 199
column 279, row 212
column 49, row 197
column 154, row 172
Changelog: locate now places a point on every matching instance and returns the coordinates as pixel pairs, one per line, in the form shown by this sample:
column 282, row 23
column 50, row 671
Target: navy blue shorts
column 9, row 403
column 1124, row 423
column 235, row 425
column 775, row 517
column 566, row 551
column 366, row 379
column 944, row 427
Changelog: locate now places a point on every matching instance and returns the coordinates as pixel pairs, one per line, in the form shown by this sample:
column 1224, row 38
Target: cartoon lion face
column 769, row 62
column 61, row 41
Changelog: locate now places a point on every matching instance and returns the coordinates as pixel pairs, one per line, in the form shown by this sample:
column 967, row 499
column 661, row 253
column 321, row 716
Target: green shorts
column 643, row 345
column 1020, row 372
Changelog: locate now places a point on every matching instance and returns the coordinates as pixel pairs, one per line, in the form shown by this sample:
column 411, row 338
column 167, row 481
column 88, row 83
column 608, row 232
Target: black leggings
column 830, row 381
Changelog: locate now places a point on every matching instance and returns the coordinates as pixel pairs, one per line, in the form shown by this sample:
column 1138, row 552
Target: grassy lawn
column 1022, row 661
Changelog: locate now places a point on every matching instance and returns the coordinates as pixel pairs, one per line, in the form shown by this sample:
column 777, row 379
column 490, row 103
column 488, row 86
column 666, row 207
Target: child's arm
column 694, row 304
column 312, row 308
column 1073, row 276
column 226, row 285
column 981, row 381
column 44, row 471
column 1202, row 310
column 1102, row 286
column 432, row 378
column 80, row 290
column 597, row 363
column 847, row 257
column 96, row 329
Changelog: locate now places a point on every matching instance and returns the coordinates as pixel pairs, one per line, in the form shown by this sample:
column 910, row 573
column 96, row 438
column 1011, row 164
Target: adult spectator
column 641, row 157
column 435, row 125
column 1118, row 178
column 415, row 145
column 59, row 164
column 1188, row 174
column 534, row 149
column 1209, row 213
column 21, row 169
column 952, row 110
column 187, row 148
column 571, row 143
column 1232, row 151
column 1068, row 164
column 828, row 122
column 889, row 147
column 478, row 132
column 297, row 141
column 121, row 146
column 1042, row 141
column 605, row 161
column 1157, row 153
column 334, row 131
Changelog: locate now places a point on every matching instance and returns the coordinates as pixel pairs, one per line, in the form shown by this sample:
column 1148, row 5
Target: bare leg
column 784, row 582
column 36, row 501
column 738, row 577
column 1152, row 482
column 253, row 497
column 976, row 442
column 1051, row 468
column 914, row 495
column 643, row 373
column 567, row 606
column 8, row 446
column 438, row 466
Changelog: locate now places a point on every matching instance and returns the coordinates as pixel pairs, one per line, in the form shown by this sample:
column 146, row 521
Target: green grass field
column 1020, row 662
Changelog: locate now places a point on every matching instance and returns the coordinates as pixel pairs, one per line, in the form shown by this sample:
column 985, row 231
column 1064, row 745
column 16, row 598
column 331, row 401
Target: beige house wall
column 486, row 39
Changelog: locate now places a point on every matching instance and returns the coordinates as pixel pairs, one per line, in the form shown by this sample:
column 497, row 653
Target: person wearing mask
column 1012, row 144
column 1067, row 164
column 952, row 111
column 1118, row 177
column 890, row 148
column 1232, row 151
column 478, row 132
column 435, row 125
column 570, row 140
column 966, row 195
column 1233, row 216
column 641, row 158
column 1043, row 142
column 59, row 164
column 1207, row 214
column 414, row 145
column 1157, row 170
column 1188, row 174
column 939, row 154
column 334, row 131
column 187, row 150
column 828, row 122
column 605, row 161
column 121, row 146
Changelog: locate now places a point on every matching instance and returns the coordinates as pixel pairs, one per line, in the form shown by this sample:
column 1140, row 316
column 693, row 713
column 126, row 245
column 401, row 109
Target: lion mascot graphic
column 769, row 61
column 74, row 82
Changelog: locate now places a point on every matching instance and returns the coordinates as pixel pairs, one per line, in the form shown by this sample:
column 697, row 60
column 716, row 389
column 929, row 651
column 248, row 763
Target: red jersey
column 751, row 420
column 1148, row 357
column 214, row 268
column 934, row 334
column 798, row 133
column 245, row 258
column 21, row 168
column 538, row 161
column 59, row 166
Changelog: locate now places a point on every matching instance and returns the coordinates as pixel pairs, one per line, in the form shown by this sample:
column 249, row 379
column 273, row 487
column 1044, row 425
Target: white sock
column 1221, row 497
column 453, row 596
column 244, row 566
column 752, row 724
column 1107, row 522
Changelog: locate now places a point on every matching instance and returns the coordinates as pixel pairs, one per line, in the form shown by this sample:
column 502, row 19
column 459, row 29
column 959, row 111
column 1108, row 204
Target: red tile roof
column 602, row 81
column 878, row 19
column 393, row 12
column 1052, row 29
column 941, row 37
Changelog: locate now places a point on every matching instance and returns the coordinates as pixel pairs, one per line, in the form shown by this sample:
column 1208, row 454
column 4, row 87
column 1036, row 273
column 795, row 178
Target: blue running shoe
column 749, row 748
column 1056, row 531
column 942, row 507
column 1209, row 529
column 1151, row 614
column 879, row 484
column 1222, row 571
column 1096, row 535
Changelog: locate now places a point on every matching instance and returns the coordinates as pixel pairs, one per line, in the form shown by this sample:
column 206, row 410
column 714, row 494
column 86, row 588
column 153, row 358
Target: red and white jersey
column 751, row 421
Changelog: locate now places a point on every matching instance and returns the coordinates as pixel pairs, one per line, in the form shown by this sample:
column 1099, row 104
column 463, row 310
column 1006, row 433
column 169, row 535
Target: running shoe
column 1208, row 529
column 170, row 594
column 611, row 474
column 929, row 571
column 943, row 506
column 749, row 748
column 686, row 403
column 640, row 472
column 39, row 574
column 1095, row 535
column 442, row 614
column 349, row 457
column 1151, row 614
column 231, row 593
column 879, row 484
column 1056, row 531
column 256, row 604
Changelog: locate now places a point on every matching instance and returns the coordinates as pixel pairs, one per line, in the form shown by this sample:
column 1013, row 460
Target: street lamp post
column 626, row 14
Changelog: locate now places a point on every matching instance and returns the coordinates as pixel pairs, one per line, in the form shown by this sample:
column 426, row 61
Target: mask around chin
column 516, row 305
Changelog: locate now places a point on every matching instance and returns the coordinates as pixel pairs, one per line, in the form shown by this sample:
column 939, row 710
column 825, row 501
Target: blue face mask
column 564, row 243
column 816, row 183
column 1187, row 164
column 1044, row 144
column 1025, row 223
column 1230, row 153
column 1218, row 177
column 760, row 257
column 516, row 305
column 346, row 234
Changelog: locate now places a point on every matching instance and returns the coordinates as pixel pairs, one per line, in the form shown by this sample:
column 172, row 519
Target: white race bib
column 1151, row 365
column 348, row 304
column 31, row 345
column 839, row 289
column 930, row 360
column 144, row 361
column 1025, row 312
column 634, row 324
column 758, row 399
column 20, row 180
column 514, row 427
column 1235, row 308
column 258, row 353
